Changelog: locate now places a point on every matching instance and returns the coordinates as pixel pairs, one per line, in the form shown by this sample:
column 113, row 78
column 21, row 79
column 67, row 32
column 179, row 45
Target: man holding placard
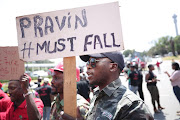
column 80, row 31
column 23, row 105
column 112, row 101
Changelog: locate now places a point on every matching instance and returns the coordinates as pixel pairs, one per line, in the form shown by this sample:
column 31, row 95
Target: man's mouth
column 53, row 86
column 11, row 96
column 90, row 76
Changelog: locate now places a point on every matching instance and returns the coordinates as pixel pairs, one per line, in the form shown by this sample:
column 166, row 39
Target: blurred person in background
column 83, row 87
column 4, row 101
column 45, row 94
column 158, row 66
column 175, row 80
column 134, row 79
column 140, row 82
column 151, row 80
column 1, row 86
column 39, row 81
column 127, row 72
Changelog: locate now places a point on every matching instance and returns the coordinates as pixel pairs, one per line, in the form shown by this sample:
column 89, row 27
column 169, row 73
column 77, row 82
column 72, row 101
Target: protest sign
column 11, row 67
column 70, row 90
column 71, row 32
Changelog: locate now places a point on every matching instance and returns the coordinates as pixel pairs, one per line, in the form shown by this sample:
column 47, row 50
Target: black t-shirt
column 83, row 88
column 44, row 93
column 152, row 76
column 134, row 78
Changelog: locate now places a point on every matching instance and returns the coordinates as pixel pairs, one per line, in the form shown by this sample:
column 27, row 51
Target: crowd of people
column 111, row 100
column 135, row 78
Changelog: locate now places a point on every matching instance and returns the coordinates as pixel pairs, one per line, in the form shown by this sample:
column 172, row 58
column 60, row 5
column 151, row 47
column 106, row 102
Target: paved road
column 167, row 97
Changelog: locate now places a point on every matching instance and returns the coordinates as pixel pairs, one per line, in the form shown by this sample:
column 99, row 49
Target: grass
column 4, row 81
column 172, row 57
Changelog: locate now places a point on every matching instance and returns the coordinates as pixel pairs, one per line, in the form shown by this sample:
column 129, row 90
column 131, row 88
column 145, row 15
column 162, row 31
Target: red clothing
column 158, row 63
column 4, row 101
column 47, row 84
column 143, row 64
column 0, row 85
column 21, row 113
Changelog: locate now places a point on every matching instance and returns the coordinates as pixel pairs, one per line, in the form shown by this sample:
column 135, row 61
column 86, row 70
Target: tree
column 144, row 53
column 177, row 43
column 126, row 53
column 161, row 47
column 152, row 51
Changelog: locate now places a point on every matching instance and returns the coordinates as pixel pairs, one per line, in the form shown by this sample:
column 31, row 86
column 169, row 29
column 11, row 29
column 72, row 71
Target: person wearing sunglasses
column 112, row 100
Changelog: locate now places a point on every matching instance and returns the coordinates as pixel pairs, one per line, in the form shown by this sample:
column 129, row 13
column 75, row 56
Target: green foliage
column 132, row 54
column 144, row 53
column 40, row 62
column 177, row 43
column 4, row 81
column 35, row 78
column 5, row 87
column 164, row 45
column 129, row 52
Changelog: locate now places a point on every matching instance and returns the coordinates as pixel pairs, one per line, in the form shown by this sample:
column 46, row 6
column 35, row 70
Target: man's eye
column 55, row 78
column 12, row 88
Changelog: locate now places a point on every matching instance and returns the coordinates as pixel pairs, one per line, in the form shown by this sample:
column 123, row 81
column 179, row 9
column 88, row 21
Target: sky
column 143, row 21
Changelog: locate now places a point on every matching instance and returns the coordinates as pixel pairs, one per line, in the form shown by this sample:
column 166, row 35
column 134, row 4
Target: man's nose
column 88, row 66
column 52, row 81
column 9, row 91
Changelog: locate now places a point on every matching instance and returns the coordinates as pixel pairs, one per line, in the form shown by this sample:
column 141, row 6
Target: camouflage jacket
column 115, row 102
column 58, row 106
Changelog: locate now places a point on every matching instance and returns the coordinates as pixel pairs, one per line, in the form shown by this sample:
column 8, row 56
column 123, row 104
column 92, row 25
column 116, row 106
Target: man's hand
column 65, row 116
column 24, row 81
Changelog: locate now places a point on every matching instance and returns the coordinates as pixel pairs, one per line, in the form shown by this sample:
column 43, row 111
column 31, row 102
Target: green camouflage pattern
column 58, row 106
column 116, row 102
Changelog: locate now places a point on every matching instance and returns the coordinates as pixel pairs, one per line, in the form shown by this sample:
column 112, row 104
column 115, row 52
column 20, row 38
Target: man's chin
column 12, row 99
column 91, row 82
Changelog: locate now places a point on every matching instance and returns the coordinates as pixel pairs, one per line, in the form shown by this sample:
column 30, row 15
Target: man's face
column 15, row 90
column 39, row 80
column 173, row 67
column 99, row 74
column 57, row 82
column 132, row 68
column 152, row 68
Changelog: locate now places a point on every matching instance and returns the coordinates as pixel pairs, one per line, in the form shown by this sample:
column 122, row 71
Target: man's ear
column 113, row 67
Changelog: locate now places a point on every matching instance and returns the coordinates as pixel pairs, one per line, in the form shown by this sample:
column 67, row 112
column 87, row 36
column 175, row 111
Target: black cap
column 114, row 56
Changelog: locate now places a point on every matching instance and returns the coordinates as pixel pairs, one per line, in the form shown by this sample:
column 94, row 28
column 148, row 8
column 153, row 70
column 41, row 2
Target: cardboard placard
column 71, row 32
column 11, row 67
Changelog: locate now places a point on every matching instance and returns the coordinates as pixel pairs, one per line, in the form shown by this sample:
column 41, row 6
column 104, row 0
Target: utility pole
column 175, row 22
column 172, row 41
